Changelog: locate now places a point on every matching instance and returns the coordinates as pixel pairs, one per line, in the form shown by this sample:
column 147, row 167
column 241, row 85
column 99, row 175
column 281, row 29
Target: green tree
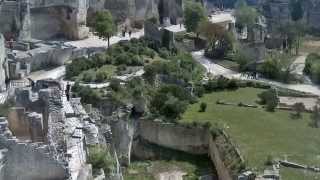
column 245, row 15
column 104, row 25
column 194, row 13
column 220, row 42
column 296, row 10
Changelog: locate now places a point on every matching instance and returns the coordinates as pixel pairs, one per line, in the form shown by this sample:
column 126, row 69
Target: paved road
column 216, row 69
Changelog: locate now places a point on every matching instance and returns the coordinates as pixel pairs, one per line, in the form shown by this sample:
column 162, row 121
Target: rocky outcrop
column 139, row 10
column 278, row 12
column 39, row 19
column 2, row 63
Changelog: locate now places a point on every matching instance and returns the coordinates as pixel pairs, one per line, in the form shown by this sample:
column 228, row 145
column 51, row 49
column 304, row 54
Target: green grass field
column 260, row 133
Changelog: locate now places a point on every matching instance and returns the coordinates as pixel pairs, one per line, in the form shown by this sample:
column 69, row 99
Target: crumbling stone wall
column 28, row 161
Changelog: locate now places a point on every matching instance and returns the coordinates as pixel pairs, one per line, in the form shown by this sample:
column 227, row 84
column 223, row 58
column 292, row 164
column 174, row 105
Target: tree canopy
column 104, row 25
column 245, row 15
column 296, row 10
column 194, row 13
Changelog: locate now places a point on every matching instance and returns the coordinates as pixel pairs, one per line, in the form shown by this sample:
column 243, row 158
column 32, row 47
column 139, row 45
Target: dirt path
column 216, row 69
column 299, row 64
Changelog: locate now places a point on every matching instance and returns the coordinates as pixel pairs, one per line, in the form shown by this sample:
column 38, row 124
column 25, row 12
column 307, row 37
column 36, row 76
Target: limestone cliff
column 137, row 10
column 2, row 63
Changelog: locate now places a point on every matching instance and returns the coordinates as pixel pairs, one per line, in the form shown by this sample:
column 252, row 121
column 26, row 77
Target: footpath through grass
column 259, row 133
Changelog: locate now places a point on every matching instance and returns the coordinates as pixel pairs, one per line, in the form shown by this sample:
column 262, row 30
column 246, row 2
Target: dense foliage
column 100, row 158
column 132, row 53
column 194, row 13
column 312, row 68
column 278, row 67
column 245, row 15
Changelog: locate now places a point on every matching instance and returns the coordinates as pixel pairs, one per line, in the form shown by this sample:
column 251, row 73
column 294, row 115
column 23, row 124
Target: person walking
column 130, row 32
column 67, row 91
column 7, row 82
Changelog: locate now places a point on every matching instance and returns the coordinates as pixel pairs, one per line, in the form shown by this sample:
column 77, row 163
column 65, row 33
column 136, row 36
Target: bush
column 164, row 53
column 99, row 158
column 222, row 82
column 270, row 99
column 233, row 84
column 88, row 95
column 101, row 76
column 89, row 76
column 298, row 108
column 203, row 107
column 173, row 108
column 115, row 85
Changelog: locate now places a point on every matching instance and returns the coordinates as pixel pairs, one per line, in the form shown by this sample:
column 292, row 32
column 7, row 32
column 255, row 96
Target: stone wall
column 194, row 140
column 190, row 140
column 3, row 64
column 27, row 161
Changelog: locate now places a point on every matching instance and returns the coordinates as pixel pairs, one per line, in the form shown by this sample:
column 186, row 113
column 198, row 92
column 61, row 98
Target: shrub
column 121, row 68
column 99, row 158
column 270, row 99
column 115, row 85
column 164, row 53
column 233, row 84
column 298, row 108
column 89, row 76
column 88, row 95
column 222, row 82
column 203, row 107
column 101, row 76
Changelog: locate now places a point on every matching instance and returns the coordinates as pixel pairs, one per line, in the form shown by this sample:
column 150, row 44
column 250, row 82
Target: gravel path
column 216, row 69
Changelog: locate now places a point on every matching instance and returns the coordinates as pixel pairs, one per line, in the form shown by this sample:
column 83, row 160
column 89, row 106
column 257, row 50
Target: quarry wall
column 133, row 137
column 191, row 140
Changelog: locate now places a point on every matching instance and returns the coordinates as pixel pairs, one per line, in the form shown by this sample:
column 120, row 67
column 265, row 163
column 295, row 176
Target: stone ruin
column 45, row 136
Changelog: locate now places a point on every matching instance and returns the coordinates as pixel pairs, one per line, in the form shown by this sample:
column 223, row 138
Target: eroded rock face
column 2, row 63
column 138, row 10
column 37, row 19
column 278, row 12
column 122, row 9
